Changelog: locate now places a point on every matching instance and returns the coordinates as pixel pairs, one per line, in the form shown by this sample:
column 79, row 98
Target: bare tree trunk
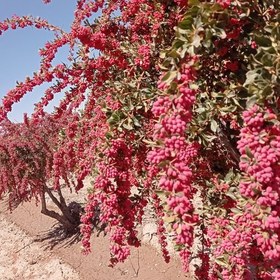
column 69, row 224
column 60, row 204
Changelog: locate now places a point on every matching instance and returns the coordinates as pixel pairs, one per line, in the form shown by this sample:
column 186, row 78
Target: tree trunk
column 60, row 204
column 68, row 222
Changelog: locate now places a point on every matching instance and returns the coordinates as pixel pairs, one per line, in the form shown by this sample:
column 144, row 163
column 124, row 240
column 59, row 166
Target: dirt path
column 21, row 258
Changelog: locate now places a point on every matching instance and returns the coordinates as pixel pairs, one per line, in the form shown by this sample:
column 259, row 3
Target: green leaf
column 186, row 23
column 196, row 40
column 173, row 53
column 193, row 2
column 231, row 195
column 263, row 41
column 214, row 125
column 169, row 77
column 178, row 247
column 108, row 135
column 150, row 143
column 170, row 219
column 115, row 118
column 231, row 108
column 177, row 44
column 229, row 176
column 207, row 137
column 248, row 152
column 193, row 11
column 251, row 101
column 236, row 211
column 267, row 60
column 250, row 77
column 267, row 91
column 162, row 55
column 220, row 32
column 200, row 110
column 136, row 122
column 128, row 126
column 221, row 262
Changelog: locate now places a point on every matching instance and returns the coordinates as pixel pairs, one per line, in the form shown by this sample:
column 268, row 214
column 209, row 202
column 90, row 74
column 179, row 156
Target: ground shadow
column 57, row 236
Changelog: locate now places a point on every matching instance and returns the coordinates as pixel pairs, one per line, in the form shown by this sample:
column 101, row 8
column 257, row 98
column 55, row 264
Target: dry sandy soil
column 31, row 249
column 21, row 258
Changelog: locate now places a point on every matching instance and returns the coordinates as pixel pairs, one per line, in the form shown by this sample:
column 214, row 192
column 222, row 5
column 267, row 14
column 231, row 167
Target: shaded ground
column 21, row 257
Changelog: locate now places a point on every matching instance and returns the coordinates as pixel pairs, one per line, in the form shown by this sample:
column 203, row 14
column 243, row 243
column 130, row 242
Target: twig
column 24, row 246
column 138, row 265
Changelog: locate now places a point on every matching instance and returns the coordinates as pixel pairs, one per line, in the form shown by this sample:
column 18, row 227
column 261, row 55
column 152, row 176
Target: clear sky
column 19, row 55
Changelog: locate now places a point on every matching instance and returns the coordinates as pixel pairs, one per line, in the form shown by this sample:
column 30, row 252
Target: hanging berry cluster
column 174, row 156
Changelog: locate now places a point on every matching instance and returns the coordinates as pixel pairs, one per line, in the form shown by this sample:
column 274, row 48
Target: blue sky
column 19, row 55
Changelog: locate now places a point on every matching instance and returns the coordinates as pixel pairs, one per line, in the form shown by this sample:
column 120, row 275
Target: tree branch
column 62, row 206
column 67, row 224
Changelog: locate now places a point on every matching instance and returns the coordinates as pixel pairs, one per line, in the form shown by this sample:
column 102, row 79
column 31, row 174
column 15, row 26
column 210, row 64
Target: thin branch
column 66, row 218
column 53, row 198
column 61, row 198
column 51, row 213
column 230, row 148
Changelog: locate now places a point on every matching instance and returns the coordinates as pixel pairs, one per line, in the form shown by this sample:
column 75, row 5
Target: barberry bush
column 27, row 157
column 180, row 110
